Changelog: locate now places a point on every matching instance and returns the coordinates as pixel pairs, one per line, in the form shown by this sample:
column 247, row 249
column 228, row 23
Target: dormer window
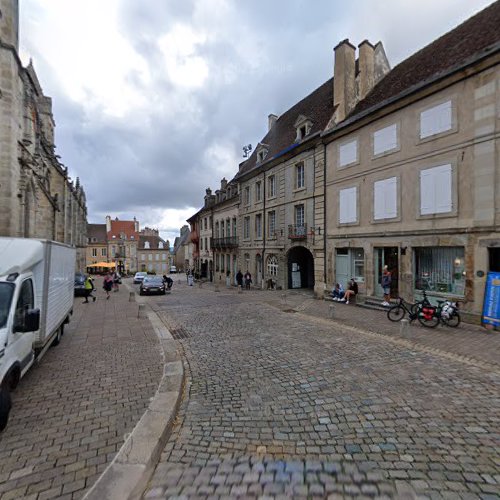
column 262, row 151
column 303, row 126
column 160, row 245
column 146, row 245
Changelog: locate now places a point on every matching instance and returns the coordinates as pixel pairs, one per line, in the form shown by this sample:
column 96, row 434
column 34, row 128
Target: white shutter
column 391, row 198
column 385, row 139
column 348, row 153
column 443, row 200
column 427, row 192
column 378, row 200
column 385, row 199
column 436, row 119
column 347, row 205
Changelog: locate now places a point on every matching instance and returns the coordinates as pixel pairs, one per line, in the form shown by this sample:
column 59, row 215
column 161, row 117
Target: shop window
column 440, row 269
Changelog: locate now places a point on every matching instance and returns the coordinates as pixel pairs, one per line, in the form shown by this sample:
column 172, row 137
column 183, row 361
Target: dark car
column 80, row 284
column 152, row 284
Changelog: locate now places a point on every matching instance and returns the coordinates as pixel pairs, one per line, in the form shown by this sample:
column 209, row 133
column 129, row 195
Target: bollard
column 331, row 311
column 141, row 313
column 131, row 297
column 240, row 289
column 404, row 327
column 179, row 281
column 283, row 298
column 200, row 283
column 216, row 288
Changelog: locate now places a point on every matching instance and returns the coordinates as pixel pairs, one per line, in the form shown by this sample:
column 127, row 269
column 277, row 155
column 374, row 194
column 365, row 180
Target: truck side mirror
column 29, row 323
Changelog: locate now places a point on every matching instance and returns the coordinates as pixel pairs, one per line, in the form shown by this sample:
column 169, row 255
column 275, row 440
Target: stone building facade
column 224, row 243
column 37, row 197
column 413, row 172
column 153, row 253
column 123, row 238
column 182, row 257
column 97, row 244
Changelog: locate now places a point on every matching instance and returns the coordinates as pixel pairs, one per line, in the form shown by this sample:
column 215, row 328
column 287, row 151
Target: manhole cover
column 179, row 333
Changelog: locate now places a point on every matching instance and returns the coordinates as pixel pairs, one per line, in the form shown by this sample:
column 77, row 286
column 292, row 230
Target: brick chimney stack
column 366, row 68
column 271, row 120
column 344, row 86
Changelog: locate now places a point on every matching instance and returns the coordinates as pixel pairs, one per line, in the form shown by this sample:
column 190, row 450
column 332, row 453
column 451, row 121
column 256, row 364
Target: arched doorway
column 300, row 268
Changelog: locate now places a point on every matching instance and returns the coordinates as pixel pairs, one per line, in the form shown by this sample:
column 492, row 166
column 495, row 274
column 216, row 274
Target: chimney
column 366, row 68
column 223, row 183
column 344, row 78
column 108, row 223
column 271, row 120
column 136, row 225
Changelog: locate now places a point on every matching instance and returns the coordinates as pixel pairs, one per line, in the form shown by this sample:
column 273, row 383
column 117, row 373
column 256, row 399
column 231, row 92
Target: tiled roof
column 467, row 41
column 97, row 231
column 127, row 227
column 317, row 107
column 153, row 242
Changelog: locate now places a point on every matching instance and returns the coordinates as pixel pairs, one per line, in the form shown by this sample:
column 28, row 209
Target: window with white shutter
column 348, row 205
column 348, row 153
column 436, row 120
column 435, row 190
column 385, row 199
column 385, row 139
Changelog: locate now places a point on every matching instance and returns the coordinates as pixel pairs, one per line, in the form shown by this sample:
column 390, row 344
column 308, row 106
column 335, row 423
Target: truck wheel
column 59, row 334
column 5, row 404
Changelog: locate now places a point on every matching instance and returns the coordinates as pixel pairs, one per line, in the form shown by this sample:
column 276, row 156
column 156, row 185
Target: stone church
column 37, row 197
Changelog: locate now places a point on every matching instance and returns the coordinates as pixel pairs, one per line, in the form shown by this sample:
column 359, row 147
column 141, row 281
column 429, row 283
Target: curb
column 128, row 474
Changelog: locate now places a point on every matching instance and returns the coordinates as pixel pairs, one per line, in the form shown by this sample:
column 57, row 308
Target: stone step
column 373, row 306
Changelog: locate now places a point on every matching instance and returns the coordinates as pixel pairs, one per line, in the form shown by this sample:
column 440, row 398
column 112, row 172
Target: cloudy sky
column 154, row 99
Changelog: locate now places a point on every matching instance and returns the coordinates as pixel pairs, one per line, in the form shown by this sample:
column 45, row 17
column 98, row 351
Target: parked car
column 139, row 277
column 80, row 284
column 173, row 269
column 152, row 284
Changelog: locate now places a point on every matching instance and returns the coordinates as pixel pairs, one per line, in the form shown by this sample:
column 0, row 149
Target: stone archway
column 300, row 268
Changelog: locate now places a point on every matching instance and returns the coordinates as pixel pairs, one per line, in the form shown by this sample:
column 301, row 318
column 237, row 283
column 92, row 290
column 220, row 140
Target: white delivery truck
column 36, row 301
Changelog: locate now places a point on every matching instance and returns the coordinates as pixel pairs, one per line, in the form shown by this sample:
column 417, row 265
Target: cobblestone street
column 71, row 412
column 282, row 401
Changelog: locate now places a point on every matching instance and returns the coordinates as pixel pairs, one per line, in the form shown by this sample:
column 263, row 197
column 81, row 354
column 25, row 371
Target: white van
column 173, row 269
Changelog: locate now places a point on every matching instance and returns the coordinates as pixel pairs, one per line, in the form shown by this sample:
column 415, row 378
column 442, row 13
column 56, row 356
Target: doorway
column 494, row 258
column 386, row 256
column 300, row 268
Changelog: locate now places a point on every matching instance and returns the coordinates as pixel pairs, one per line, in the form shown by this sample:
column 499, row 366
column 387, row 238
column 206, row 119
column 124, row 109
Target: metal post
column 331, row 311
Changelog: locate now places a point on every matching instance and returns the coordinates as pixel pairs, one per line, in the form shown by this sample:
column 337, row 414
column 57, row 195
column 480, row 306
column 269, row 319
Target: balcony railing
column 227, row 242
column 297, row 231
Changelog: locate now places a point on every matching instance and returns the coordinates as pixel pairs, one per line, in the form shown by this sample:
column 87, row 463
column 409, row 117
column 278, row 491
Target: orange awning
column 102, row 264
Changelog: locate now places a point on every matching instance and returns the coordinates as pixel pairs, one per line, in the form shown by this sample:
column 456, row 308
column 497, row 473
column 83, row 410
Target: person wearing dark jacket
column 239, row 278
column 352, row 291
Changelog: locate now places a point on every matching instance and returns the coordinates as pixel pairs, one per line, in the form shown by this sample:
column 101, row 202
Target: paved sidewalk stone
column 284, row 404
column 72, row 411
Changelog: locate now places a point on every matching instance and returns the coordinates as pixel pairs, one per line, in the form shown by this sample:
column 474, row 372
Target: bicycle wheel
column 453, row 320
column 396, row 313
column 428, row 321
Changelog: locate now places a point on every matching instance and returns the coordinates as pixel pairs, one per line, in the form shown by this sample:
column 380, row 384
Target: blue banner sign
column 491, row 306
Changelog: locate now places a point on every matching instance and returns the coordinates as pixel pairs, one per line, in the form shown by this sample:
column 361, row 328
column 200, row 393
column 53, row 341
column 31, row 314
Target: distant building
column 123, row 239
column 153, row 253
column 37, row 197
column 97, row 244
column 183, row 254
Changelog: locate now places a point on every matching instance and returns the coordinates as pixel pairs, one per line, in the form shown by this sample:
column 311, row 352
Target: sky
column 154, row 99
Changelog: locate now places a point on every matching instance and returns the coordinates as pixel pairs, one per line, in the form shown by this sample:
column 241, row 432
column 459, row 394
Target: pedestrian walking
column 108, row 284
column 248, row 280
column 239, row 278
column 386, row 285
column 116, row 281
column 89, row 288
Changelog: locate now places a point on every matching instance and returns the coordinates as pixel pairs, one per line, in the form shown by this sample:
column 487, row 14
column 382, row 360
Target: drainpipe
column 324, row 214
column 264, row 227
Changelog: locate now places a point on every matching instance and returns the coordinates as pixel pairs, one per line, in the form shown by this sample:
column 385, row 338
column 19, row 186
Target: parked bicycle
column 446, row 313
column 399, row 311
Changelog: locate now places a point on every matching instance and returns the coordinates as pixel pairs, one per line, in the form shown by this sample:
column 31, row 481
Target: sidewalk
column 72, row 411
column 473, row 343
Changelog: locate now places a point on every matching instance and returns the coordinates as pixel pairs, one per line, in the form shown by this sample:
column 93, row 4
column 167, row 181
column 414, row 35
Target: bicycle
column 446, row 312
column 399, row 311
